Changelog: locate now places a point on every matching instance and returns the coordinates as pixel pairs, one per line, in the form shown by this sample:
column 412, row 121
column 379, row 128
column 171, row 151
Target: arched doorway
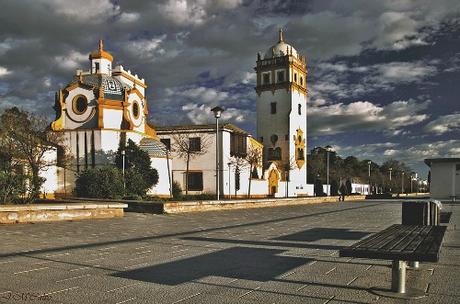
column 273, row 180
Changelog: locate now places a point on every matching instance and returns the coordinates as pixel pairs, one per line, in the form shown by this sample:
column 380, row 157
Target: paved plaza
column 270, row 255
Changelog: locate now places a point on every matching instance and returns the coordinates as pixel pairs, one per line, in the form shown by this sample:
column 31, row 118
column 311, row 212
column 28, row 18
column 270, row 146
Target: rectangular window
column 195, row 144
column 166, row 142
column 266, row 78
column 280, row 76
column 274, row 154
column 299, row 109
column 273, row 108
column 96, row 67
column 238, row 145
column 195, row 181
column 295, row 77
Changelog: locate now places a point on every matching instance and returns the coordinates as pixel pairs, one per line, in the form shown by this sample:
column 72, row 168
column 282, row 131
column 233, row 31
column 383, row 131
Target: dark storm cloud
column 372, row 64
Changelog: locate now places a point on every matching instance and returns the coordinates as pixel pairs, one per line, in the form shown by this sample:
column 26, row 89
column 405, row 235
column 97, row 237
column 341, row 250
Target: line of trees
column 352, row 168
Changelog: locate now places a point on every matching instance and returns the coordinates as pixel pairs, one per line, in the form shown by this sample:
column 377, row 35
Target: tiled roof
column 113, row 88
column 226, row 126
column 153, row 147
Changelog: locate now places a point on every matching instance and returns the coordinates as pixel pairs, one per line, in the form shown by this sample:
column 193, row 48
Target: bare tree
column 287, row 166
column 188, row 146
column 27, row 138
column 253, row 159
column 238, row 163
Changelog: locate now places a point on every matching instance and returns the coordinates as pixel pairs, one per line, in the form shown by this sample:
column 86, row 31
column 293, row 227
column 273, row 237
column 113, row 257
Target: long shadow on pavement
column 257, row 264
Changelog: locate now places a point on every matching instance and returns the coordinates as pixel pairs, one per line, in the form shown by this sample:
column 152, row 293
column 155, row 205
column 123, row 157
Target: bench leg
column 398, row 284
column 398, row 276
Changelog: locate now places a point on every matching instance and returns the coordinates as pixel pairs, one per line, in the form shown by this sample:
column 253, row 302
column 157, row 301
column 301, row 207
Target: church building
column 101, row 109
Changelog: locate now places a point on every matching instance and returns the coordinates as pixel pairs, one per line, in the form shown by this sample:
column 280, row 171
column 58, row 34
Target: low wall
column 194, row 206
column 11, row 214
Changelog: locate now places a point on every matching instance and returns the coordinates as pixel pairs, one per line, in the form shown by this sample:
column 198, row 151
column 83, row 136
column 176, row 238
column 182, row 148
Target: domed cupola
column 281, row 48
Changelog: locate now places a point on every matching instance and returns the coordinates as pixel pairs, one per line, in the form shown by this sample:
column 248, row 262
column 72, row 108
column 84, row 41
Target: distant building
column 445, row 177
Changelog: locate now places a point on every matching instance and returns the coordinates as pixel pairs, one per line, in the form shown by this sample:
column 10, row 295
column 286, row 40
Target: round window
column 80, row 104
column 136, row 110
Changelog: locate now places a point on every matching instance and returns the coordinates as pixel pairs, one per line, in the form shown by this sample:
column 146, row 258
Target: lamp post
column 328, row 149
column 217, row 113
column 123, row 156
column 369, row 171
column 402, row 182
column 229, row 178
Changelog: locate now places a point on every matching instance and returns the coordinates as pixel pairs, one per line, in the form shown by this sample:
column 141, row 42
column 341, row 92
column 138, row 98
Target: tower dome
column 281, row 48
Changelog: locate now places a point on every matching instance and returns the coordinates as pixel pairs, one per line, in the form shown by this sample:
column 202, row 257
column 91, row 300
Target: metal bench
column 400, row 244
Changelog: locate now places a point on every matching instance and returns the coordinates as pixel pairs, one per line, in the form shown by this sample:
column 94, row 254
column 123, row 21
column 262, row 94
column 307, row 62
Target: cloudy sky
column 383, row 75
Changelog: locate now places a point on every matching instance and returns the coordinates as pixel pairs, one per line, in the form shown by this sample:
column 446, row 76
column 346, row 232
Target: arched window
column 301, row 80
column 295, row 77
column 79, row 104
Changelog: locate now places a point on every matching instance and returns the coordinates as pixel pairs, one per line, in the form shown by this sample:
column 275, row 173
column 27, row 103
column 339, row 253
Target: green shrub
column 139, row 174
column 176, row 190
column 102, row 182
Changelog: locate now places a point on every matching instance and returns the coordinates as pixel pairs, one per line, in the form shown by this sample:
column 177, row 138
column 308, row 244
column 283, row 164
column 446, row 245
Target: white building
column 100, row 109
column 234, row 172
column 445, row 177
column 282, row 112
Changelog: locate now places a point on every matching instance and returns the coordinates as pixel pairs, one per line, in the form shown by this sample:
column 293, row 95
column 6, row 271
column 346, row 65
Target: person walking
column 343, row 190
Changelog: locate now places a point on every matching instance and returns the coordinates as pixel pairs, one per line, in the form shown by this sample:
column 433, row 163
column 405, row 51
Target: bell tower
column 282, row 111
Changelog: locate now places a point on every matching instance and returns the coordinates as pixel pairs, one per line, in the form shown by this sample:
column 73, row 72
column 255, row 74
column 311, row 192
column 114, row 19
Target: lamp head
column 217, row 111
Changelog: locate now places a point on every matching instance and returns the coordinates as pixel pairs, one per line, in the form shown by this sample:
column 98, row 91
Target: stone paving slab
column 273, row 255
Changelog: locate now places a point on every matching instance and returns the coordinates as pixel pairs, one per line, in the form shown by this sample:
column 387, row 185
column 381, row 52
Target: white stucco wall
column 445, row 180
column 49, row 173
column 112, row 118
column 163, row 186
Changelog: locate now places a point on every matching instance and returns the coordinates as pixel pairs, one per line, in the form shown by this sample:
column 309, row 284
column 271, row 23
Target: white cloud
column 444, row 124
column 396, row 72
column 201, row 114
column 199, row 94
column 364, row 116
column 4, row 71
column 333, row 79
column 129, row 17
column 195, row 12
column 146, row 48
column 92, row 11
column 71, row 61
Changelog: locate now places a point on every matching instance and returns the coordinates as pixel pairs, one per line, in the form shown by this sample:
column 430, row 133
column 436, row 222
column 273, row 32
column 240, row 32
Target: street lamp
column 402, row 182
column 217, row 113
column 390, row 169
column 123, row 156
column 328, row 149
column 369, row 164
column 229, row 179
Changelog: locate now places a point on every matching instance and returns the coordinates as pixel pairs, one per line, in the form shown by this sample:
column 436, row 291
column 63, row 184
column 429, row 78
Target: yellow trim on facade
column 130, row 77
